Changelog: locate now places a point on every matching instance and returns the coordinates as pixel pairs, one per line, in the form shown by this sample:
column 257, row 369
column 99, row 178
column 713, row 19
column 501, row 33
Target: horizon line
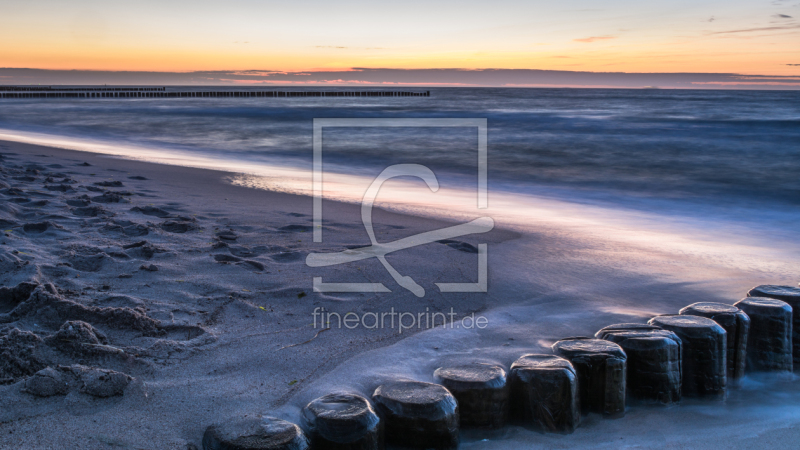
column 388, row 77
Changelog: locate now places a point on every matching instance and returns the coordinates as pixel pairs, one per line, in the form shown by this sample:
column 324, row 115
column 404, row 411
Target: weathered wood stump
column 344, row 422
column 769, row 347
column 629, row 327
column 704, row 354
column 736, row 324
column 418, row 415
column 654, row 361
column 255, row 433
column 481, row 392
column 544, row 393
column 601, row 369
column 790, row 295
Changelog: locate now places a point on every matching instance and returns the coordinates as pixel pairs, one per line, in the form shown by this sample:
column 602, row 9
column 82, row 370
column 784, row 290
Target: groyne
column 56, row 92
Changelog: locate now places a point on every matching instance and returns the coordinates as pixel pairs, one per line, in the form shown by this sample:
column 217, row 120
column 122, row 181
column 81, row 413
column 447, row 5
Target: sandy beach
column 197, row 290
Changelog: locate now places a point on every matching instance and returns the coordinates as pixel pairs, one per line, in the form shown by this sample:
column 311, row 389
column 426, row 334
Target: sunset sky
column 731, row 36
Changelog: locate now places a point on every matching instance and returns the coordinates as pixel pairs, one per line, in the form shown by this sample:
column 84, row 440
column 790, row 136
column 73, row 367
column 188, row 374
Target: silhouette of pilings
column 15, row 92
column 51, row 88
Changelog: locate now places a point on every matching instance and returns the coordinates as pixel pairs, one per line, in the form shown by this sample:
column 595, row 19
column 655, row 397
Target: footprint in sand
column 89, row 263
column 109, row 183
column 245, row 252
column 80, row 201
column 39, row 227
column 226, row 258
column 227, row 235
column 151, row 211
column 89, row 211
column 296, row 228
column 59, row 187
column 109, row 197
column 173, row 226
column 460, row 246
column 125, row 227
column 254, row 264
column 36, row 204
column 142, row 249
column 287, row 257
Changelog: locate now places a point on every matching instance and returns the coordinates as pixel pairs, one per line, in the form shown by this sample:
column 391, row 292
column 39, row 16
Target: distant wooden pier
column 32, row 92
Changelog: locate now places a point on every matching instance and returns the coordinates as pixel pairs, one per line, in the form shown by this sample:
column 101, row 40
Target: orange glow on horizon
column 753, row 63
column 203, row 36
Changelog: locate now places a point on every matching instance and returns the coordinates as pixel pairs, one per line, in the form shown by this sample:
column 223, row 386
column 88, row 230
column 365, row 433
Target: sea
column 704, row 161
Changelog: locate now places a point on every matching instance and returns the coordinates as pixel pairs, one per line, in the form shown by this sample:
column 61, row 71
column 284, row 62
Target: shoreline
column 246, row 344
column 727, row 233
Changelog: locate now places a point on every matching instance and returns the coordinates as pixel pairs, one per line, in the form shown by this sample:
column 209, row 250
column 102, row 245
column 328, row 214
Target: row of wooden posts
column 82, row 94
column 82, row 88
column 700, row 353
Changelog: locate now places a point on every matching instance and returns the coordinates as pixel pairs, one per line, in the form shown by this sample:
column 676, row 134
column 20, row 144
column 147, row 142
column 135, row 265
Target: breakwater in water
column 37, row 92
column 670, row 357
